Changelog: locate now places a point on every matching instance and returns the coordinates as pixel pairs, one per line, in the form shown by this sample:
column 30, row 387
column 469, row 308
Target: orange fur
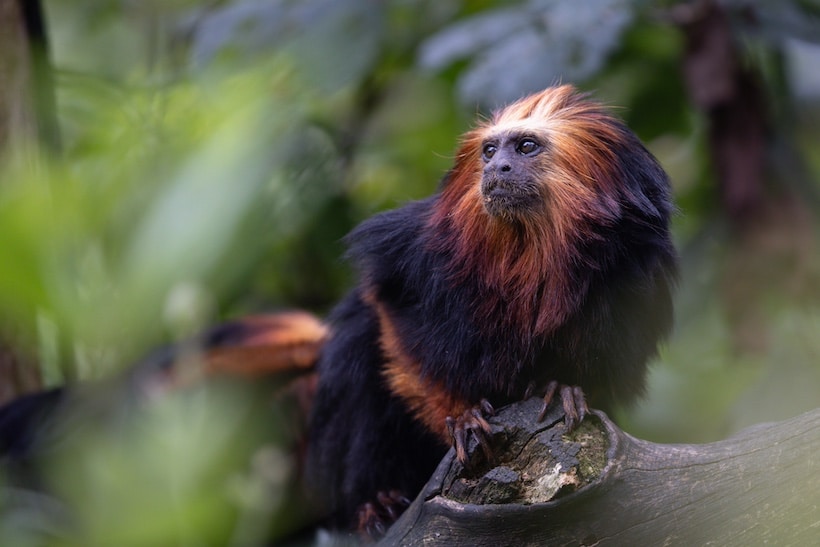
column 281, row 345
column 426, row 399
column 281, row 342
column 528, row 262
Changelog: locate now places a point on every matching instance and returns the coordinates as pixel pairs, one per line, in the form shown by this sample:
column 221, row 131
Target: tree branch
column 600, row 485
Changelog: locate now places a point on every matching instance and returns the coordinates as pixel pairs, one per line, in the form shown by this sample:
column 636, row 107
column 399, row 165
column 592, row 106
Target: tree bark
column 601, row 486
column 27, row 102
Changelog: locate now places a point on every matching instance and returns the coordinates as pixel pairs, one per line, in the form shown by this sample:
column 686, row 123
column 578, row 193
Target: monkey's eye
column 526, row 147
column 488, row 151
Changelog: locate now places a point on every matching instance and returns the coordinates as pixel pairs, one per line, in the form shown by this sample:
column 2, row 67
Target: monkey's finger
column 570, row 412
column 370, row 523
column 451, row 427
column 399, row 498
column 376, row 529
column 478, row 419
column 486, row 407
column 460, row 441
column 528, row 391
column 580, row 402
column 387, row 503
column 484, row 441
column 549, row 394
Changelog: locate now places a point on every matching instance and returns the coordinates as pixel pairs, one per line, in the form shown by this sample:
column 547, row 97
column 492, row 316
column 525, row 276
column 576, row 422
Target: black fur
column 21, row 424
column 362, row 438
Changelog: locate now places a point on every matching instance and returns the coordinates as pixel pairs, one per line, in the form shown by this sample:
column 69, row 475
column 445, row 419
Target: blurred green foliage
column 196, row 468
column 215, row 154
column 159, row 191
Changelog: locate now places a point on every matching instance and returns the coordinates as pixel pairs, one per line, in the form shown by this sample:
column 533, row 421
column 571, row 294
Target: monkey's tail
column 279, row 346
column 280, row 349
column 261, row 345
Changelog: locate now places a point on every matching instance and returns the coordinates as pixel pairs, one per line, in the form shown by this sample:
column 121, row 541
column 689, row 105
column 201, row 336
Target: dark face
column 511, row 181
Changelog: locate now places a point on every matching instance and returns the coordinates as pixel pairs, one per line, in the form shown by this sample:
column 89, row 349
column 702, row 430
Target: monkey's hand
column 375, row 517
column 572, row 399
column 473, row 421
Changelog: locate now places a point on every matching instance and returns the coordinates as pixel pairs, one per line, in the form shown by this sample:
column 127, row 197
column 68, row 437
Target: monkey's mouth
column 508, row 200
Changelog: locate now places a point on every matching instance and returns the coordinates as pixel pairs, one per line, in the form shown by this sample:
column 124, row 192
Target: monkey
column 542, row 264
column 543, row 261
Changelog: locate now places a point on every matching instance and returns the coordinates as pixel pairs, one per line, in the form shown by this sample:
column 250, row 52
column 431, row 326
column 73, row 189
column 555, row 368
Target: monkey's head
column 550, row 157
column 536, row 183
column 553, row 159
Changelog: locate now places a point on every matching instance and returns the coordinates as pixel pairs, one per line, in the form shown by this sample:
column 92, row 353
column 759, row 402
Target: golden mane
column 528, row 263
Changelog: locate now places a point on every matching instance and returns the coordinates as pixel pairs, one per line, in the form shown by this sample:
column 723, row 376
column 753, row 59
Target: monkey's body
column 555, row 266
column 544, row 259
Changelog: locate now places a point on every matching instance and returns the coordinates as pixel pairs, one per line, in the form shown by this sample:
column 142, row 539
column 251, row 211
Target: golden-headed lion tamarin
column 544, row 262
column 544, row 259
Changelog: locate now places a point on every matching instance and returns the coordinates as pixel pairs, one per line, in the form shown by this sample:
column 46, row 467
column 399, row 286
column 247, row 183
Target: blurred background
column 165, row 165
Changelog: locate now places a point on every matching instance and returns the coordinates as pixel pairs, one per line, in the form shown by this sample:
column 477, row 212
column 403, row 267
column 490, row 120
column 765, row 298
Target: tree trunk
column 16, row 112
column 598, row 485
column 27, row 124
column 27, row 103
column 771, row 254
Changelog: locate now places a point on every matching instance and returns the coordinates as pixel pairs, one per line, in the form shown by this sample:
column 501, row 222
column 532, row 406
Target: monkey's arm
column 442, row 411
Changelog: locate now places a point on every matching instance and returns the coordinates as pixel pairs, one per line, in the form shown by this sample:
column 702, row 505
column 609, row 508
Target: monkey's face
column 511, row 185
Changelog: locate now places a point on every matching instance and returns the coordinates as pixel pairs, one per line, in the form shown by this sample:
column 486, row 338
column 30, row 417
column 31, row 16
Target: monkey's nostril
column 505, row 168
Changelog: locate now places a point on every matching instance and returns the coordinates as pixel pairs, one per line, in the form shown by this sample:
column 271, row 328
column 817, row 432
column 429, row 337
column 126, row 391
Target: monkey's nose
column 498, row 168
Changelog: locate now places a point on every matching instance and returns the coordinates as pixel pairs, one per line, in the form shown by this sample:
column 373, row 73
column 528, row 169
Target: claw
column 552, row 387
column 400, row 498
column 529, row 391
column 384, row 500
column 573, row 402
column 460, row 440
column 393, row 503
column 377, row 530
column 570, row 412
column 486, row 407
column 478, row 414
column 451, row 427
column 483, row 438
column 374, row 518
column 370, row 523
column 472, row 421
column 580, row 403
